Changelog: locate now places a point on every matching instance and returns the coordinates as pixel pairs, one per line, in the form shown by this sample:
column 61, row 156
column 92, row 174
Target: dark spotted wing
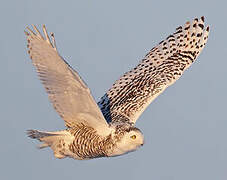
column 161, row 67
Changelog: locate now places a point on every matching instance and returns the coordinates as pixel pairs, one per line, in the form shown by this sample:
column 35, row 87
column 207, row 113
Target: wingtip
column 46, row 34
column 35, row 28
column 196, row 19
column 202, row 18
column 31, row 32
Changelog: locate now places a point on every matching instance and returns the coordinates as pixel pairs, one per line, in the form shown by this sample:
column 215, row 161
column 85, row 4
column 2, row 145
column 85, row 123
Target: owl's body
column 83, row 142
column 79, row 143
column 107, row 128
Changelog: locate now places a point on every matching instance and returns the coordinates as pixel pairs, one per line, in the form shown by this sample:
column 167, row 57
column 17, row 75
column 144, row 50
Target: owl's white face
column 129, row 142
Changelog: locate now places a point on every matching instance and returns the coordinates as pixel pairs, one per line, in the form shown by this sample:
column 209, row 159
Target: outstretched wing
column 161, row 67
column 66, row 90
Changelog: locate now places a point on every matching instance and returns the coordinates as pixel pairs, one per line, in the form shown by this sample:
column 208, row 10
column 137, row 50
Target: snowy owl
column 107, row 128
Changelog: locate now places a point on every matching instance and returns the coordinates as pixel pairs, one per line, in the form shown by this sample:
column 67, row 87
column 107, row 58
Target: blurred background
column 101, row 40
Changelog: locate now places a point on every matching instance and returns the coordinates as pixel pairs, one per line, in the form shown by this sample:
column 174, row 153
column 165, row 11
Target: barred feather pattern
column 161, row 67
column 88, row 144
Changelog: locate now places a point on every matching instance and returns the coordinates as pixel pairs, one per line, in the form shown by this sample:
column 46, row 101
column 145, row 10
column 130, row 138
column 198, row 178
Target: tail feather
column 55, row 140
column 34, row 134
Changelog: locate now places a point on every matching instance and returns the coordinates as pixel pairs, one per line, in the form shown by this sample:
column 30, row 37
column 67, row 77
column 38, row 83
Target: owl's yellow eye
column 133, row 137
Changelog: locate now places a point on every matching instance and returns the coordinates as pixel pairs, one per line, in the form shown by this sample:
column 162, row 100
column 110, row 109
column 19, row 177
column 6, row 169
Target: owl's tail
column 54, row 140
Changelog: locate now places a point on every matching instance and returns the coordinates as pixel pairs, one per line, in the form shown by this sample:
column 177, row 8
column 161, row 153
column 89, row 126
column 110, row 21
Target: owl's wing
column 162, row 66
column 66, row 90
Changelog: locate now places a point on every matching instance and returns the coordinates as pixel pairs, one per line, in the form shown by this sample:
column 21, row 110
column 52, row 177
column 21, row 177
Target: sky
column 185, row 128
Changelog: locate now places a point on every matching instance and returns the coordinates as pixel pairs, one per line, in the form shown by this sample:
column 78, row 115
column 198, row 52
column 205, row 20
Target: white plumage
column 93, row 133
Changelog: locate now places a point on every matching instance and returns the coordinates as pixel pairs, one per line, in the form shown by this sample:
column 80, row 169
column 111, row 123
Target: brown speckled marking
column 88, row 143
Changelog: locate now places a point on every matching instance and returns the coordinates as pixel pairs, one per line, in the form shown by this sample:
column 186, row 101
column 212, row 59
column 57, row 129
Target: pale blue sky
column 185, row 128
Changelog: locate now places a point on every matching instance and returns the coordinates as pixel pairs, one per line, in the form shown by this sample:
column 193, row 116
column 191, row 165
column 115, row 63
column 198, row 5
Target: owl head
column 130, row 141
